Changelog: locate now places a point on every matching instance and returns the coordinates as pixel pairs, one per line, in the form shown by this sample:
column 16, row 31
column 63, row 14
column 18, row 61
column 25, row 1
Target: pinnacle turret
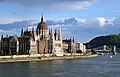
column 42, row 18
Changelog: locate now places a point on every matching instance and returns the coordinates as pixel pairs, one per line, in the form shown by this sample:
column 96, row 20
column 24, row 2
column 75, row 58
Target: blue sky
column 81, row 19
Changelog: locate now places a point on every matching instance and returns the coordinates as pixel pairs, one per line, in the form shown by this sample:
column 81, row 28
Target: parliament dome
column 42, row 25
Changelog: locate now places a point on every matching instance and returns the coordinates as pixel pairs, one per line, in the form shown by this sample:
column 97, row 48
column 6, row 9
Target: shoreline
column 30, row 59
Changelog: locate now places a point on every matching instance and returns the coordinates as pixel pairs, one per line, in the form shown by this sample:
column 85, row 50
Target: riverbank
column 43, row 58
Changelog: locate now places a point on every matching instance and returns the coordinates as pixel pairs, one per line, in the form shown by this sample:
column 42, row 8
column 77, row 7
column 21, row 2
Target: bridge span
column 106, row 48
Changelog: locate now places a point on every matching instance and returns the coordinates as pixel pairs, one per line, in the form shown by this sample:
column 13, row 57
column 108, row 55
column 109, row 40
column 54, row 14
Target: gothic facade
column 37, row 41
column 55, row 42
column 14, row 45
column 42, row 41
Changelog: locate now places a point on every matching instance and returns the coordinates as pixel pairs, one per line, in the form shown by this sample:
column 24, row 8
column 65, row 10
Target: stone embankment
column 38, row 57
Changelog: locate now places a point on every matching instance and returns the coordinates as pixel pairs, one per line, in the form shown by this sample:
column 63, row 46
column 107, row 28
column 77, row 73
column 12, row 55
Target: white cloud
column 13, row 20
column 2, row 30
column 102, row 21
column 8, row 20
column 53, row 4
column 81, row 20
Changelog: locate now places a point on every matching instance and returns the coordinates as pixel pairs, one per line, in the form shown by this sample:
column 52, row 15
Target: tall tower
column 52, row 39
column 56, row 44
column 33, row 35
column 55, row 34
column 60, row 34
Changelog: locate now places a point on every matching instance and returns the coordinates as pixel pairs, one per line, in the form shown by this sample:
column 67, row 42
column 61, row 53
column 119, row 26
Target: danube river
column 101, row 66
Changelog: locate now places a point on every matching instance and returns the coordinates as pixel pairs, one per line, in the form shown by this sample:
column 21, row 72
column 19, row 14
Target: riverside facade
column 39, row 41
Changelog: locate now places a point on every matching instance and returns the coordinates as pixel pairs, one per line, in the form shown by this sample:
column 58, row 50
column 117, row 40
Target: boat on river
column 100, row 54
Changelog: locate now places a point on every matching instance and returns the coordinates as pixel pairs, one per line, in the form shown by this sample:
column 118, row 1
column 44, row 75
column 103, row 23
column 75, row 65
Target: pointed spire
column 2, row 37
column 59, row 33
column 55, row 34
column 59, row 29
column 52, row 33
column 21, row 31
column 73, row 40
column 33, row 33
column 55, row 31
column 70, row 39
column 42, row 18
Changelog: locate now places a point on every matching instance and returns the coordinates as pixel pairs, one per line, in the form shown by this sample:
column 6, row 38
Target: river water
column 101, row 66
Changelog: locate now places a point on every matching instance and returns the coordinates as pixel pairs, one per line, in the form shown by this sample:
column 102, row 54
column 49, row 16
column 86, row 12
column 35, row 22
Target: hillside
column 104, row 40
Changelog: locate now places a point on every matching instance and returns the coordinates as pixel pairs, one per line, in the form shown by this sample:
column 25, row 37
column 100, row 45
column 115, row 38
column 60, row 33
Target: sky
column 80, row 19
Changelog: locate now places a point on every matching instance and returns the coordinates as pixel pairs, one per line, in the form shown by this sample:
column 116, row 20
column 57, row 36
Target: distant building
column 80, row 46
column 8, row 45
column 24, row 45
column 13, row 45
column 69, row 45
column 5, row 45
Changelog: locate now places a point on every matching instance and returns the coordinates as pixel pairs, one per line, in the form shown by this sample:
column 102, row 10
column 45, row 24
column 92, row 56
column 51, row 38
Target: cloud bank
column 86, row 29
column 82, row 29
column 53, row 4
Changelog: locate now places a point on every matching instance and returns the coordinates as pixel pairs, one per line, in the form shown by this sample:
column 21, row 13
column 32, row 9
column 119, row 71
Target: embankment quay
column 24, row 58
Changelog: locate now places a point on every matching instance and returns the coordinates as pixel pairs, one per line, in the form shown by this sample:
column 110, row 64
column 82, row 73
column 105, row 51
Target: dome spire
column 42, row 18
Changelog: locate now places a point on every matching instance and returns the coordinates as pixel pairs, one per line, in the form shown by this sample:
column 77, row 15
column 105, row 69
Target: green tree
column 1, row 52
column 93, row 51
column 78, row 51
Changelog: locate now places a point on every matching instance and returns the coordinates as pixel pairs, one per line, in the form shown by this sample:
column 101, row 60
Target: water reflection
column 14, row 70
column 102, row 66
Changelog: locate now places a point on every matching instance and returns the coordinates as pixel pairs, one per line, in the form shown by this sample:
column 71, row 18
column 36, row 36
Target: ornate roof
column 42, row 25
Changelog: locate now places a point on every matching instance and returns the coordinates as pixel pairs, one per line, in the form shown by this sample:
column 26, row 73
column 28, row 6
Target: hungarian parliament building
column 39, row 41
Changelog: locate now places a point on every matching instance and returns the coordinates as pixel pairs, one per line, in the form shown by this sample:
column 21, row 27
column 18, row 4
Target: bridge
column 106, row 48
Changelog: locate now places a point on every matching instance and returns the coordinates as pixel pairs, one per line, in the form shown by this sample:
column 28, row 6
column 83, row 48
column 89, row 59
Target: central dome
column 42, row 25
